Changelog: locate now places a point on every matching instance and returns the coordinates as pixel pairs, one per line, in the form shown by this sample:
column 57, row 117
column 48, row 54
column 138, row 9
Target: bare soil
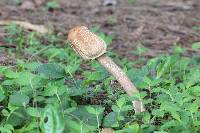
column 157, row 24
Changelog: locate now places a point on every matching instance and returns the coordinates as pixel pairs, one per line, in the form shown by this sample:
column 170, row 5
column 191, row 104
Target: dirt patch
column 157, row 24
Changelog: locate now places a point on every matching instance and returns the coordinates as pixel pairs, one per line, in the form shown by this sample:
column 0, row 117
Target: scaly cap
column 85, row 43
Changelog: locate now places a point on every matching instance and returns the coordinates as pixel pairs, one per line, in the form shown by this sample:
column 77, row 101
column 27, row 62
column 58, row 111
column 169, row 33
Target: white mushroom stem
column 122, row 78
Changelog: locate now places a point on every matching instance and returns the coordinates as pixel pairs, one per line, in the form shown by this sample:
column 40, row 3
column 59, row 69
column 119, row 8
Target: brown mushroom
column 90, row 46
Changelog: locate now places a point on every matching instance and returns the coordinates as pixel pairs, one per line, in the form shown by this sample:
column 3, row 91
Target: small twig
column 179, row 6
column 6, row 45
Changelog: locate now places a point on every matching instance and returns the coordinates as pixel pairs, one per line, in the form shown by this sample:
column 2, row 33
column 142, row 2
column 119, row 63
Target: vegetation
column 51, row 90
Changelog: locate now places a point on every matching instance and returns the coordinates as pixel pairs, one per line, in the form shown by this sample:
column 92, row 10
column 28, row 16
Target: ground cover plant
column 49, row 89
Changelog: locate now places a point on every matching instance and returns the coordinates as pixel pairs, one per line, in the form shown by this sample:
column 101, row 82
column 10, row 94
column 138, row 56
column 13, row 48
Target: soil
column 157, row 24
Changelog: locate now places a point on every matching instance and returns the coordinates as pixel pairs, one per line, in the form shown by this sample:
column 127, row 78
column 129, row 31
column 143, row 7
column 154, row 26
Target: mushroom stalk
column 122, row 78
column 90, row 46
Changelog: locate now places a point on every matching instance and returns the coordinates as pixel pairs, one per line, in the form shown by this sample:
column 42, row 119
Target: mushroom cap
column 85, row 43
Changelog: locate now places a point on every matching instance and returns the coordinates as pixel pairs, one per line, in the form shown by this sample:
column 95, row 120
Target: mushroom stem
column 122, row 78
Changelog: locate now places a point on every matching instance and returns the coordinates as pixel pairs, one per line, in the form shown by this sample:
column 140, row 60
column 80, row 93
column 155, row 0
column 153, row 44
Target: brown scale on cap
column 85, row 43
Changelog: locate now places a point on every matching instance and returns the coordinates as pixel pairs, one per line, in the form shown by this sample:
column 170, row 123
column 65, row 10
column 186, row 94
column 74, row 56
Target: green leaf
column 35, row 112
column 137, row 76
column 92, row 76
column 3, row 69
column 193, row 77
column 183, row 63
column 12, row 107
column 127, row 108
column 52, row 120
column 95, row 28
column 110, row 120
column 178, row 49
column 52, row 71
column 196, row 46
column 5, row 112
column 170, row 106
column 196, row 123
column 73, row 66
column 131, row 1
column 146, row 117
column 10, row 74
column 7, row 128
column 121, row 102
column 31, row 127
column 77, row 126
column 8, row 82
column 50, row 90
column 18, row 99
column 24, row 78
column 165, row 65
column 169, row 124
column 106, row 38
column 91, row 110
column 2, row 96
column 52, row 5
column 195, row 90
column 197, row 28
column 194, row 107
column 158, row 113
column 32, row 65
column 17, row 115
column 115, row 108
column 175, row 115
column 95, row 110
column 88, row 114
column 132, row 128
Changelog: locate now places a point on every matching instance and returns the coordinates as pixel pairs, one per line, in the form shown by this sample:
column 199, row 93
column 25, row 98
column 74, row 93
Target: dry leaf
column 26, row 25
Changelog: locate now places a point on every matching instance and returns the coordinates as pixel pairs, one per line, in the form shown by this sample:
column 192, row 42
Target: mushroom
column 90, row 46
